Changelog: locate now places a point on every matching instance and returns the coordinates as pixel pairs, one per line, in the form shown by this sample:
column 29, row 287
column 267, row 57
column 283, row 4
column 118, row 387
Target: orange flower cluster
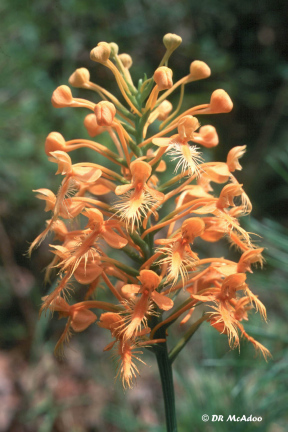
column 99, row 208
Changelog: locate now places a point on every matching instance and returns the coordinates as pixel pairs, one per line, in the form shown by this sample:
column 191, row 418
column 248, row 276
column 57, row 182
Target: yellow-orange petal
column 162, row 142
column 113, row 239
column 86, row 174
column 130, row 289
column 163, row 302
column 233, row 158
column 81, row 319
column 122, row 189
column 149, row 279
column 63, row 160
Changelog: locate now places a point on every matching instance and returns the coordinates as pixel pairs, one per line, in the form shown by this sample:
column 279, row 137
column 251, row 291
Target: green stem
column 165, row 371
column 187, row 336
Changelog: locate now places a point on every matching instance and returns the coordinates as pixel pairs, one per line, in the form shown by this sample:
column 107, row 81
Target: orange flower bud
column 54, row 141
column 171, row 41
column 199, row 70
column 79, row 77
column 220, row 102
column 126, row 60
column 92, row 126
column 101, row 52
column 62, row 97
column 164, row 110
column 187, row 126
column 209, row 135
column 163, row 78
column 105, row 112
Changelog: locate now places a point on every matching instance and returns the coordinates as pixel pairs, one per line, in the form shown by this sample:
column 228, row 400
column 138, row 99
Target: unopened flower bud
column 54, row 141
column 187, row 126
column 114, row 49
column 163, row 78
column 126, row 60
column 105, row 112
column 209, row 136
column 62, row 97
column 199, row 70
column 79, row 77
column 164, row 110
column 171, row 41
column 92, row 126
column 220, row 102
column 101, row 52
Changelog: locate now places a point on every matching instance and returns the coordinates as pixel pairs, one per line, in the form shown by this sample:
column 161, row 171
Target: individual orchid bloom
column 137, row 196
column 177, row 145
column 178, row 250
column 76, row 172
column 142, row 306
column 79, row 318
column 127, row 349
column 238, row 313
column 87, row 243
column 224, row 296
column 68, row 209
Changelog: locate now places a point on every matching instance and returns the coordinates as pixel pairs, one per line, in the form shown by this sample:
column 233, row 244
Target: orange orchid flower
column 138, row 197
column 142, row 306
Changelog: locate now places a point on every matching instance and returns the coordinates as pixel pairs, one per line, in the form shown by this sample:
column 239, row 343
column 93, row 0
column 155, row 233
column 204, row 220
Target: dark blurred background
column 246, row 45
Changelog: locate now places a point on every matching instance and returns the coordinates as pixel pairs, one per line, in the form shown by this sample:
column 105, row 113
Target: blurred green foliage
column 246, row 45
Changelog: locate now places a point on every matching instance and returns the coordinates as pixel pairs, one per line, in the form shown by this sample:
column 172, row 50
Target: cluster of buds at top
column 101, row 208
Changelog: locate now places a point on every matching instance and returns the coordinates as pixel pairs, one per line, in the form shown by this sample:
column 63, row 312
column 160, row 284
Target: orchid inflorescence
column 119, row 209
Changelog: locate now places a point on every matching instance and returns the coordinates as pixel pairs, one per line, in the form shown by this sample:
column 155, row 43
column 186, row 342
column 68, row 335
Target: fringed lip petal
column 163, row 302
column 159, row 196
